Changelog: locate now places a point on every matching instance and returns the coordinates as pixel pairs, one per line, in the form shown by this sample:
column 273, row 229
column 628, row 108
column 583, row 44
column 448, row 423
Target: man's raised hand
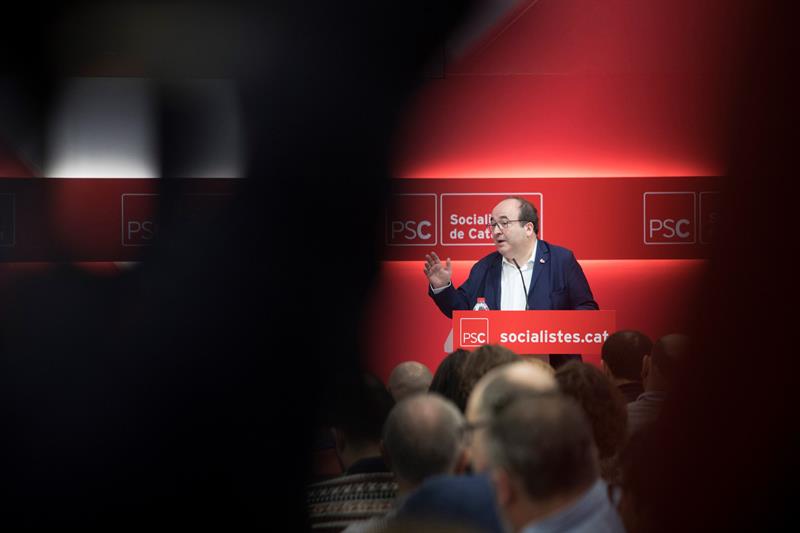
column 438, row 273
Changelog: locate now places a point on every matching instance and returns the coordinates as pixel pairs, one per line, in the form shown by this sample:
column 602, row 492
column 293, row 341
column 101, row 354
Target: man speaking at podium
column 524, row 273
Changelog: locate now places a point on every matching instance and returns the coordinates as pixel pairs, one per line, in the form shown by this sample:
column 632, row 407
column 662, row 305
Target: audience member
column 622, row 355
column 604, row 406
column 658, row 371
column 447, row 379
column 423, row 437
column 536, row 361
column 469, row 500
column 494, row 390
column 639, row 482
column 544, row 467
column 409, row 378
column 367, row 488
column 476, row 364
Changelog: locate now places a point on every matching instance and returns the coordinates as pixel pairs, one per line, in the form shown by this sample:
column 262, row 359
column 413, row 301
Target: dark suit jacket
column 465, row 501
column 557, row 283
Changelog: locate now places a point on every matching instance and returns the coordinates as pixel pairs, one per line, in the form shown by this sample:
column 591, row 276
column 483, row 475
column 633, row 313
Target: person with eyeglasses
column 523, row 273
column 544, row 468
column 468, row 502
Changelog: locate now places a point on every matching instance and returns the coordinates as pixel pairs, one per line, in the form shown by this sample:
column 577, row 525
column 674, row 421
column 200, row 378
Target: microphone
column 524, row 288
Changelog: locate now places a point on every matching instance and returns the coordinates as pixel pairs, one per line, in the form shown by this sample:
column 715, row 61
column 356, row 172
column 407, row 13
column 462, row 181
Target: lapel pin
column 541, row 260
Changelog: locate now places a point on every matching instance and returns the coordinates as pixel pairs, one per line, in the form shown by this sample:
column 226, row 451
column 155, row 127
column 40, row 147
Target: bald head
column 496, row 387
column 422, row 437
column 409, row 378
column 523, row 376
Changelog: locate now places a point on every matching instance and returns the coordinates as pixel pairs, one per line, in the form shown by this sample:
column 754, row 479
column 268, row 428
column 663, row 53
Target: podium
column 535, row 332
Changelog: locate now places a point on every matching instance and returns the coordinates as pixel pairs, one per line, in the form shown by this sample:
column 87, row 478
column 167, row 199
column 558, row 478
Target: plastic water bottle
column 481, row 305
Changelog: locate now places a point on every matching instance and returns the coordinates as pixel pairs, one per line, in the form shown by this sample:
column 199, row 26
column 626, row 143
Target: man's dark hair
column 476, row 364
column 423, row 437
column 447, row 378
column 603, row 404
column 358, row 406
column 668, row 352
column 527, row 212
column 624, row 351
column 545, row 441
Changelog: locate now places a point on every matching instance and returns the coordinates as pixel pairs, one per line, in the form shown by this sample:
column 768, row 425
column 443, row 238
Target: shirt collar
column 529, row 261
column 580, row 512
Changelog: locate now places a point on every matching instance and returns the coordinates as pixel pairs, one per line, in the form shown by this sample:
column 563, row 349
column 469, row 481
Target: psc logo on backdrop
column 464, row 216
column 411, row 220
column 138, row 219
column 669, row 218
column 710, row 203
column 139, row 227
column 474, row 332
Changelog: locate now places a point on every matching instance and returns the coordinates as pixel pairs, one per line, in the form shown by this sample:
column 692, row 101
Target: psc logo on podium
column 474, row 332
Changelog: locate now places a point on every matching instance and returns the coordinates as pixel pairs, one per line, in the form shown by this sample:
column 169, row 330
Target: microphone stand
column 523, row 281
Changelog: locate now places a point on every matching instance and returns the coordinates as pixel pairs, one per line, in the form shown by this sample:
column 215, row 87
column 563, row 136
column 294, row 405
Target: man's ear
column 467, row 453
column 606, row 371
column 645, row 367
column 462, row 462
column 504, row 487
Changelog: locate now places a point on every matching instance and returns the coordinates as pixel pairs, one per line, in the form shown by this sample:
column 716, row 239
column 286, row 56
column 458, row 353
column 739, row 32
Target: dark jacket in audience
column 644, row 410
column 631, row 390
column 465, row 501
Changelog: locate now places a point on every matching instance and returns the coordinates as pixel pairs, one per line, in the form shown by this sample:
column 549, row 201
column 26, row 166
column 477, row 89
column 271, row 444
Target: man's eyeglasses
column 468, row 429
column 502, row 223
column 501, row 403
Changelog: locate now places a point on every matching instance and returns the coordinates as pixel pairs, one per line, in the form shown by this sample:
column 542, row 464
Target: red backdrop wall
column 572, row 89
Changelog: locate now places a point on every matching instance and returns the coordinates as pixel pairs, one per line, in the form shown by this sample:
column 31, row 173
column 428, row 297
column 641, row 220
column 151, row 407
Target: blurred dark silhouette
column 723, row 455
column 178, row 393
column 182, row 392
column 621, row 360
column 658, row 371
column 355, row 415
column 604, row 407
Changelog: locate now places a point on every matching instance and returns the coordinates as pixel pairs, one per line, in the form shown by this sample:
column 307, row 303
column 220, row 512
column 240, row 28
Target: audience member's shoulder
column 450, row 483
column 468, row 500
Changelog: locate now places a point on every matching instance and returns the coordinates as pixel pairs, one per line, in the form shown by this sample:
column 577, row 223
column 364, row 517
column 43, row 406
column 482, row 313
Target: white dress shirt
column 513, row 296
